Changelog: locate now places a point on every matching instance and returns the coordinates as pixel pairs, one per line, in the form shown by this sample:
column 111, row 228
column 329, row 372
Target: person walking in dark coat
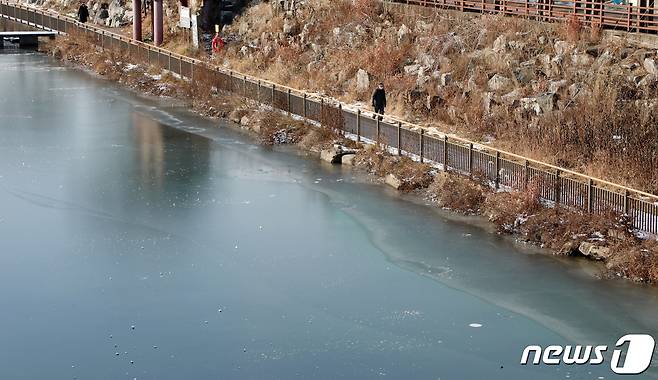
column 379, row 100
column 83, row 13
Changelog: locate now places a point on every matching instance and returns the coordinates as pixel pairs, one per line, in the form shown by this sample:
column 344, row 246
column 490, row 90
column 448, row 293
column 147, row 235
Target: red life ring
column 217, row 43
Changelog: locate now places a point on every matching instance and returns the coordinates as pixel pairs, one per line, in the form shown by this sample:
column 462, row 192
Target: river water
column 140, row 241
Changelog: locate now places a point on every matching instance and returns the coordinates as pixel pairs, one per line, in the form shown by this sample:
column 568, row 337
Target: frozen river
column 139, row 241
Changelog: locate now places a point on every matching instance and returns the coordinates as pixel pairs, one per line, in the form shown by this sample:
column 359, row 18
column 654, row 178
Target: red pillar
column 157, row 22
column 137, row 20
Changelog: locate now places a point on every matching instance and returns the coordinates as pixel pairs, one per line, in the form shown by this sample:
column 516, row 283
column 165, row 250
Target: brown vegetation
column 600, row 122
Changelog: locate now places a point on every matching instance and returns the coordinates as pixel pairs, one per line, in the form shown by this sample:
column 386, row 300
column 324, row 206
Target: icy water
column 139, row 241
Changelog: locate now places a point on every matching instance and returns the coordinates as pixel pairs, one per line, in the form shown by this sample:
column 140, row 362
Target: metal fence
column 621, row 15
column 502, row 169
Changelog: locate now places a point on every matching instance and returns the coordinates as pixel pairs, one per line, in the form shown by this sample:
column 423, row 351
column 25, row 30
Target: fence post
column 258, row 93
column 470, row 159
column 399, row 135
column 378, row 127
column 445, row 152
column 342, row 126
column 304, row 103
column 558, row 187
column 590, row 193
column 358, row 125
column 192, row 72
column 169, row 63
column 103, row 40
column 288, row 102
column 497, row 183
column 244, row 86
column 526, row 171
column 422, row 144
column 626, row 199
column 273, row 89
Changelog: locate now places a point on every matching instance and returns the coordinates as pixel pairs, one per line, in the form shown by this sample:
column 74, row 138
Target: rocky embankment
column 556, row 92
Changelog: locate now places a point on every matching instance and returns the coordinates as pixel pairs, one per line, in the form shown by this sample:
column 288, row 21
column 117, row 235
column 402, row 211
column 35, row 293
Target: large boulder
column 593, row 251
column 393, row 181
column 362, row 81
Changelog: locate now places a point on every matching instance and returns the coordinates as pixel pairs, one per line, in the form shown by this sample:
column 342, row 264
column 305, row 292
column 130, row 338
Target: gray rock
column 404, row 35
column 582, row 59
column 593, row 251
column 524, row 75
column 422, row 78
column 499, row 83
column 393, row 181
column 562, row 47
column 487, row 101
column 546, row 101
column 540, row 103
column 500, row 44
column 650, row 66
column 244, row 28
column 362, row 81
column 412, row 69
column 426, row 60
column 290, row 26
column 511, row 97
column 245, row 121
column 557, row 85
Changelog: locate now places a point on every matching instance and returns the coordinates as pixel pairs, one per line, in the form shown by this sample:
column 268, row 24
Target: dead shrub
column 457, row 193
column 573, row 27
column 638, row 262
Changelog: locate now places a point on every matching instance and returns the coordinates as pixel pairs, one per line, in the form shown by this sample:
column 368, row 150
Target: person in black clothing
column 83, row 13
column 379, row 100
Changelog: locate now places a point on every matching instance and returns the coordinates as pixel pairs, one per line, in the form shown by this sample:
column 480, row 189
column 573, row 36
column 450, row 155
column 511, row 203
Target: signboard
column 185, row 19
